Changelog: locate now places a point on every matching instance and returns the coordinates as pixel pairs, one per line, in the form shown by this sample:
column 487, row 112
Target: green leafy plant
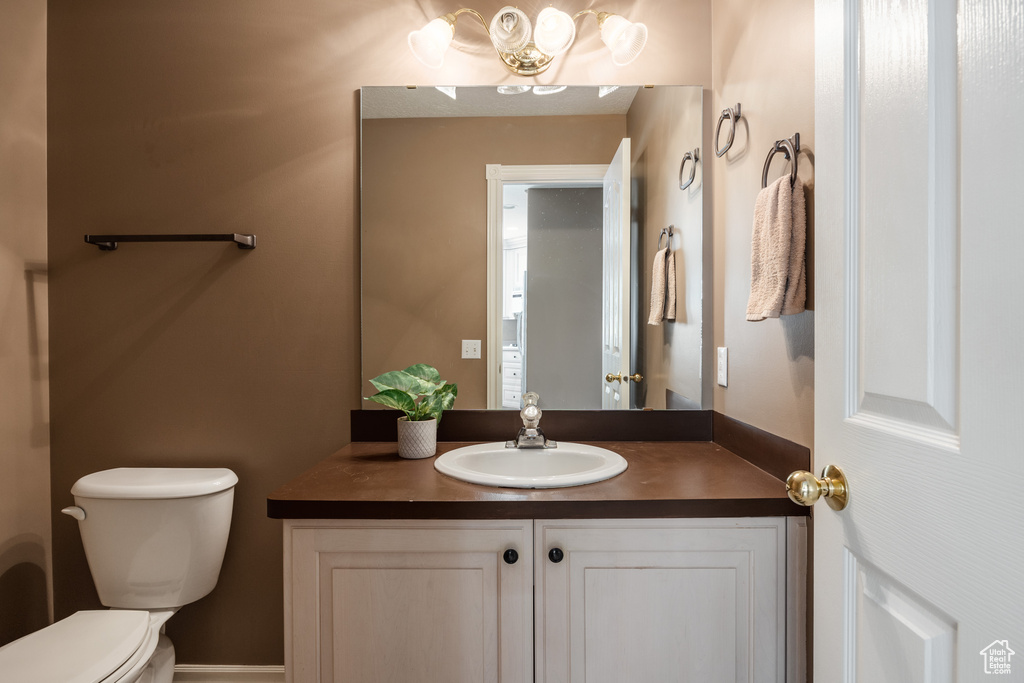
column 418, row 391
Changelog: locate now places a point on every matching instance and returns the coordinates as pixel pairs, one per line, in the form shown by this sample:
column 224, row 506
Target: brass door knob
column 619, row 378
column 804, row 488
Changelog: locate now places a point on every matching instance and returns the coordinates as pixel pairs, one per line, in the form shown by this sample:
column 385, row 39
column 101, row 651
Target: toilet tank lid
column 154, row 482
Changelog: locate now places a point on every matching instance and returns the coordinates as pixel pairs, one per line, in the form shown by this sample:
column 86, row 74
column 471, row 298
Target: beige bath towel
column 778, row 283
column 663, row 287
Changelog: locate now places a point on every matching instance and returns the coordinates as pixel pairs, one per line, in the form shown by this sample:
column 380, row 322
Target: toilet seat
column 91, row 646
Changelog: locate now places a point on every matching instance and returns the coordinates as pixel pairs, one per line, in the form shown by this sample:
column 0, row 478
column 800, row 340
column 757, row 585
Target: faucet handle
column 531, row 398
column 531, row 415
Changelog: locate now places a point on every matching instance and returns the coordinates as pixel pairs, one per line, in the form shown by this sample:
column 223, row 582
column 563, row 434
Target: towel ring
column 693, row 156
column 789, row 147
column 666, row 232
column 733, row 115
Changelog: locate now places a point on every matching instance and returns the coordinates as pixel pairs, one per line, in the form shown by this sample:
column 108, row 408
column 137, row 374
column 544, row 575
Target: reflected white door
column 615, row 299
column 919, row 377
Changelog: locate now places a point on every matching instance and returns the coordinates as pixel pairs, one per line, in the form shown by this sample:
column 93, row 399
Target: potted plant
column 420, row 393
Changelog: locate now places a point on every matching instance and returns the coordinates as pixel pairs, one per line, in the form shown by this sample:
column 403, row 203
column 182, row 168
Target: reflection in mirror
column 502, row 219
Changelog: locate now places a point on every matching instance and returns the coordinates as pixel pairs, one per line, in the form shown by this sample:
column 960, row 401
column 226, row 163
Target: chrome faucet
column 530, row 435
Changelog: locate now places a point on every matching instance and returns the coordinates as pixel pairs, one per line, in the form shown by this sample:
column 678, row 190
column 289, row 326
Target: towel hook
column 733, row 115
column 693, row 156
column 666, row 232
column 790, row 148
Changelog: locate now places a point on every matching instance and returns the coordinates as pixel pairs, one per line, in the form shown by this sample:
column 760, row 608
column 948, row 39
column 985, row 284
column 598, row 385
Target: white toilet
column 155, row 540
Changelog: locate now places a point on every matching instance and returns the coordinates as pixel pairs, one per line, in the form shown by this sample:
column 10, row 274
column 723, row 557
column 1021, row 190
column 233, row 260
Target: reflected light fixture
column 527, row 50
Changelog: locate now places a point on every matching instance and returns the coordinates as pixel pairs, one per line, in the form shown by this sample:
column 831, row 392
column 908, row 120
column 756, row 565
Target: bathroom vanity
column 689, row 566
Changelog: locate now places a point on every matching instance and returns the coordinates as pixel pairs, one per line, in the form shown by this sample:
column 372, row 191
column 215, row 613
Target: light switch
column 470, row 348
column 723, row 366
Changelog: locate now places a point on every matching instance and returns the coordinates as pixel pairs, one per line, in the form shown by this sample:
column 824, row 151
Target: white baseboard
column 227, row 673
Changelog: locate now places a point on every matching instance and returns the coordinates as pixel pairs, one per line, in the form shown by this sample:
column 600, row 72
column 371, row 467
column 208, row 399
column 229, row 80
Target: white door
column 615, row 310
column 919, row 158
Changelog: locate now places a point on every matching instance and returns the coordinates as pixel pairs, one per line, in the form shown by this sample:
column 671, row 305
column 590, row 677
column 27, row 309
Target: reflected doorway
column 551, row 294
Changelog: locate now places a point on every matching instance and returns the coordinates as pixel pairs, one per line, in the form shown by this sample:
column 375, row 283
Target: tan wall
column 424, row 178
column 663, row 125
column 763, row 58
column 24, row 403
column 236, row 116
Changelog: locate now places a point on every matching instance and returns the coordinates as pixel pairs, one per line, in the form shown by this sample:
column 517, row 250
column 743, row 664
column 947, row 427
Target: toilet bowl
column 90, row 646
column 154, row 539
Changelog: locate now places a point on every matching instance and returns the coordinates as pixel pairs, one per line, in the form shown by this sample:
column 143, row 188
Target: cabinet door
column 699, row 601
column 397, row 601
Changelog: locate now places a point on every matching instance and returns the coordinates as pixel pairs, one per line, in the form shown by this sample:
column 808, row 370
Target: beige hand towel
column 663, row 287
column 778, row 282
column 670, row 285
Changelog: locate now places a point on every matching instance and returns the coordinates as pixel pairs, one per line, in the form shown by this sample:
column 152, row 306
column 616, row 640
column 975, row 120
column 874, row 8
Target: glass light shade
column 513, row 89
column 430, row 42
column 625, row 39
column 555, row 31
column 510, row 30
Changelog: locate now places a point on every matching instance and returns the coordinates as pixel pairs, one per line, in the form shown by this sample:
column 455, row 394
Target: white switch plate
column 723, row 366
column 470, row 348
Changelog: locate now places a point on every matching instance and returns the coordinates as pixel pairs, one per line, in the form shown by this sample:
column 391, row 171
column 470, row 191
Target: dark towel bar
column 109, row 242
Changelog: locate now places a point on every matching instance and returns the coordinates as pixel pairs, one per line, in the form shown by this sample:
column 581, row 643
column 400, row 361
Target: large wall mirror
column 524, row 227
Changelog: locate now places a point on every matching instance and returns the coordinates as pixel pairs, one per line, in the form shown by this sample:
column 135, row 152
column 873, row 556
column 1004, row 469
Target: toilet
column 154, row 539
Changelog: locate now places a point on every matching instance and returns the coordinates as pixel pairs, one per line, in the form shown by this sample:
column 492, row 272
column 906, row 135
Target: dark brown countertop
column 664, row 479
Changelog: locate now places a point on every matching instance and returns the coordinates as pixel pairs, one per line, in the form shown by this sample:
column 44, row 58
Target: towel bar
column 693, row 156
column 733, row 115
column 109, row 242
column 790, row 148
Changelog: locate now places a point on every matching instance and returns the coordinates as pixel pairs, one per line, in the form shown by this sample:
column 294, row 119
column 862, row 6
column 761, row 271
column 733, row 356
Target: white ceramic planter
column 417, row 439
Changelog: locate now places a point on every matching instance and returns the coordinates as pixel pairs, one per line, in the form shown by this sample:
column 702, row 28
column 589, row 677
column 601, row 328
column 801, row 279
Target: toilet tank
column 155, row 537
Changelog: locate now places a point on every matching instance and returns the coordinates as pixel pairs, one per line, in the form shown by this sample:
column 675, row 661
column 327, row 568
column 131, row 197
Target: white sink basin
column 570, row 464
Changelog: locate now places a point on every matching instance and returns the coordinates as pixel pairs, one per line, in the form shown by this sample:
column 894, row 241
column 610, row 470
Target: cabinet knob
column 556, row 555
column 511, row 556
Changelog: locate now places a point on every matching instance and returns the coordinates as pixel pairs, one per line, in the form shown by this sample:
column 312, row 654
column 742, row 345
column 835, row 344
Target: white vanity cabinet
column 392, row 601
column 696, row 600
column 688, row 600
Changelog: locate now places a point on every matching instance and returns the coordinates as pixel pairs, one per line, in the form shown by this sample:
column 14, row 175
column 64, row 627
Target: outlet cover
column 723, row 366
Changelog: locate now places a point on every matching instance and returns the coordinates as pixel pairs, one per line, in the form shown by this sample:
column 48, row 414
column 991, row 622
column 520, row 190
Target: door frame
column 560, row 175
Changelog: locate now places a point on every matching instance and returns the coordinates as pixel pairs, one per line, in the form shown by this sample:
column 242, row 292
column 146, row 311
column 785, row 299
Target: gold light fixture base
column 526, row 62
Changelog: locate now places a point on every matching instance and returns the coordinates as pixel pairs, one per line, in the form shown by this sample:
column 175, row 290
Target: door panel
column 898, row 638
column 903, row 286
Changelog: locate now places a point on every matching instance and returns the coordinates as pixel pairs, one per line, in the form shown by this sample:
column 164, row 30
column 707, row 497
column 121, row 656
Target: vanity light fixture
column 525, row 50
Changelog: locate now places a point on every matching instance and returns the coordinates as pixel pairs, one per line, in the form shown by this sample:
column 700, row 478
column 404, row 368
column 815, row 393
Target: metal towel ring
column 693, row 156
column 665, row 232
column 789, row 147
column 733, row 115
